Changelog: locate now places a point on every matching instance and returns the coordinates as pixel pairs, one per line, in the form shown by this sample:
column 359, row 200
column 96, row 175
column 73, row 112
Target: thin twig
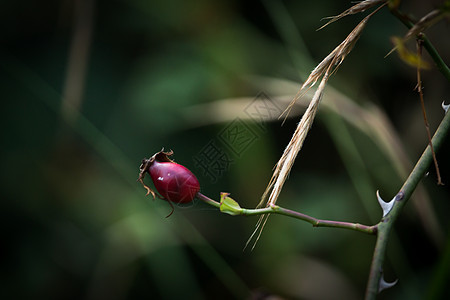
column 275, row 209
column 422, row 103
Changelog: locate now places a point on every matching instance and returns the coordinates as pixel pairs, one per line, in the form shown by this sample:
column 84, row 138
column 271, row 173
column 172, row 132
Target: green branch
column 235, row 209
column 402, row 197
column 441, row 65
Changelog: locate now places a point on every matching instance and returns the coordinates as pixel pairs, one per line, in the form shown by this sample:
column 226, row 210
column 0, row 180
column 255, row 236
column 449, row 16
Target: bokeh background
column 89, row 88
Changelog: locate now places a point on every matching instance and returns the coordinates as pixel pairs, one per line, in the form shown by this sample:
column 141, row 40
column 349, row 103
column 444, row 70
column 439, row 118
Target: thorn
column 445, row 107
column 385, row 206
column 384, row 284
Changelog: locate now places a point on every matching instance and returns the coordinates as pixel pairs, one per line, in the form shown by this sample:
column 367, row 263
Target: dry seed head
column 331, row 61
column 324, row 69
column 357, row 8
column 425, row 22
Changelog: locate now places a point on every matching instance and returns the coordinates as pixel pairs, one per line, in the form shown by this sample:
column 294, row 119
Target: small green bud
column 228, row 205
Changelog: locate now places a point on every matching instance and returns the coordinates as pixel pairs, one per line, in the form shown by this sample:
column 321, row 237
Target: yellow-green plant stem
column 386, row 224
column 275, row 209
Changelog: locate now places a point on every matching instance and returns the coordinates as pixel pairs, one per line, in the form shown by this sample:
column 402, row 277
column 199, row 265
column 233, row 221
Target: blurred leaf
column 407, row 56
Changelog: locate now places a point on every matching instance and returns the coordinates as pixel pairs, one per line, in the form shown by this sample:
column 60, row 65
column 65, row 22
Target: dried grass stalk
column 323, row 70
column 286, row 161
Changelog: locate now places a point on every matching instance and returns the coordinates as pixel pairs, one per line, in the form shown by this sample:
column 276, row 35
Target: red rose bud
column 174, row 182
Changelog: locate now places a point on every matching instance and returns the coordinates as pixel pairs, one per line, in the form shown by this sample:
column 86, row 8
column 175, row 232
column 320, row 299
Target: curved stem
column 275, row 209
column 386, row 224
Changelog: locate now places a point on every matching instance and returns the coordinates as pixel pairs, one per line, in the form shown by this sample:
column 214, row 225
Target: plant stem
column 275, row 209
column 386, row 224
column 441, row 65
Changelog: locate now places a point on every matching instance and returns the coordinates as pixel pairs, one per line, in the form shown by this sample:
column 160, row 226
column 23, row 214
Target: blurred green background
column 91, row 88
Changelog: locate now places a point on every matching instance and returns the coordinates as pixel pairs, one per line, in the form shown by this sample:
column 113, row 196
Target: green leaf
column 228, row 205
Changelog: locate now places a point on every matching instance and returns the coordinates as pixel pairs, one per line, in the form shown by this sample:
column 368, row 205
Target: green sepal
column 228, row 205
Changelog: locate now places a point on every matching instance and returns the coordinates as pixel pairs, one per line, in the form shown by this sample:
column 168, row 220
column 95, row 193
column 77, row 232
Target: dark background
column 76, row 224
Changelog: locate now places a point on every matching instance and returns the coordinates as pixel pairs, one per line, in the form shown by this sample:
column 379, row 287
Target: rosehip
column 174, row 182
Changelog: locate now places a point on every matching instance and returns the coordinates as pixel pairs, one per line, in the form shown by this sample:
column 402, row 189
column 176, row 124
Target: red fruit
column 174, row 182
